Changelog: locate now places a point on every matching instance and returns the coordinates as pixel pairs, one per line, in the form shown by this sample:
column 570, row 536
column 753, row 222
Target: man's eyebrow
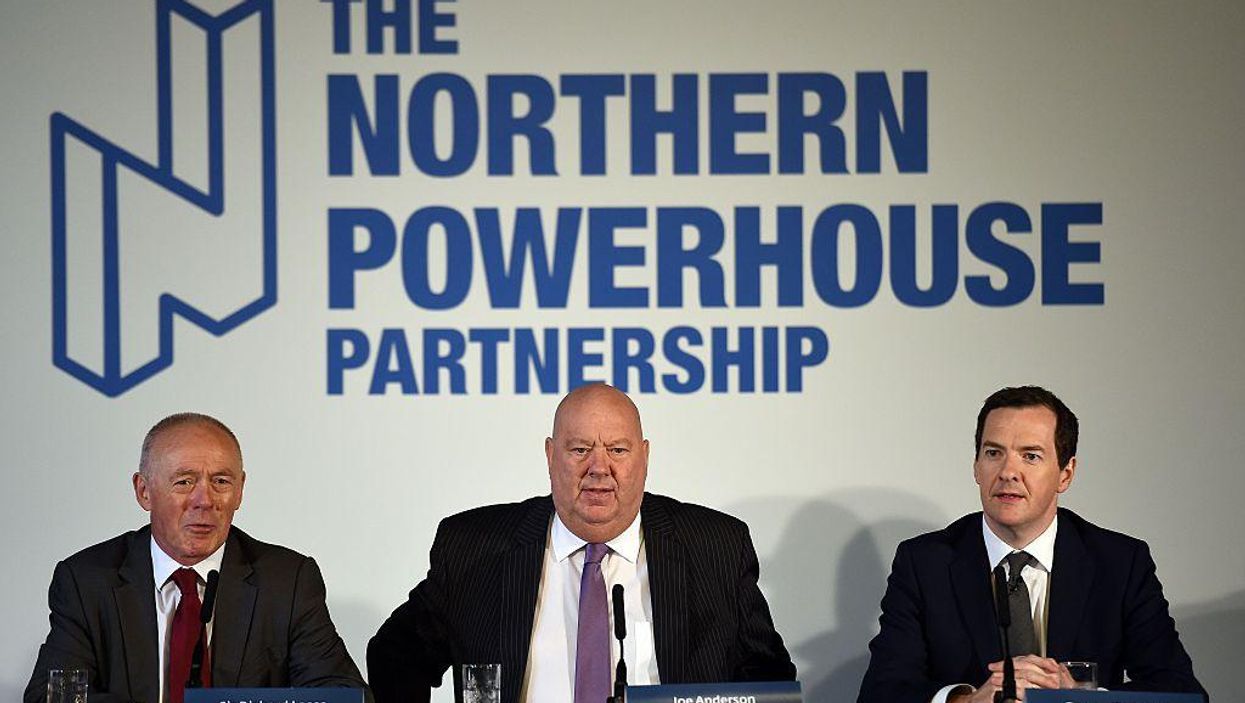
column 1026, row 448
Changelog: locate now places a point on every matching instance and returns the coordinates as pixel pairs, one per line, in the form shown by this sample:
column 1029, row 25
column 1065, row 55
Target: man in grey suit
column 127, row 610
column 523, row 585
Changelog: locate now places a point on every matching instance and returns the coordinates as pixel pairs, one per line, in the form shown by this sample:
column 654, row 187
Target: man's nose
column 1011, row 468
column 599, row 461
column 201, row 496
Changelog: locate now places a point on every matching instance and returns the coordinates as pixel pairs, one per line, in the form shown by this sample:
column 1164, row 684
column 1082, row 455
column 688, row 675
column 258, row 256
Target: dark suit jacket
column 271, row 626
column 1106, row 606
column 710, row 621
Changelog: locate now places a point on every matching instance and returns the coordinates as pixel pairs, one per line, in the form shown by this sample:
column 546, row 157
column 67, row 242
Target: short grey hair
column 180, row 420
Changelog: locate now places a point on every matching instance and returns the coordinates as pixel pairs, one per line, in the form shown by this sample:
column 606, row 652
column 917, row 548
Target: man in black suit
column 513, row 584
column 1076, row 592
column 134, row 633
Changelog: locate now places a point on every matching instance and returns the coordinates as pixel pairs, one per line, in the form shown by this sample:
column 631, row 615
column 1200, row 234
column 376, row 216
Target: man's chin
column 200, row 546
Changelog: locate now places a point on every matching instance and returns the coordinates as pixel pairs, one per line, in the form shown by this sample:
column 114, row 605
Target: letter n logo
column 136, row 244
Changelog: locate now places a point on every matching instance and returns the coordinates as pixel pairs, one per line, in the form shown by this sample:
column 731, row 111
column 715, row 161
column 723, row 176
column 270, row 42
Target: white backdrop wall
column 1133, row 108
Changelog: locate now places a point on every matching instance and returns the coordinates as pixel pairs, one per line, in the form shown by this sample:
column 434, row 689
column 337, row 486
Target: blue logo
column 102, row 334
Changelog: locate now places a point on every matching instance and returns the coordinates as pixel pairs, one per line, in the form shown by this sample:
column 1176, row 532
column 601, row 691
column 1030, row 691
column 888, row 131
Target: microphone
column 620, row 615
column 209, row 597
column 195, row 680
column 1004, row 614
column 620, row 633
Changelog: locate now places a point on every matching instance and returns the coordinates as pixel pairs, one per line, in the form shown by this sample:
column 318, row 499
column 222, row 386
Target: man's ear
column 241, row 485
column 1065, row 476
column 142, row 492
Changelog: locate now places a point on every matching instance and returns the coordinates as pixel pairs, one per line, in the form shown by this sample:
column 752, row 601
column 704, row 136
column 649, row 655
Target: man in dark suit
column 135, row 633
column 516, row 584
column 1076, row 592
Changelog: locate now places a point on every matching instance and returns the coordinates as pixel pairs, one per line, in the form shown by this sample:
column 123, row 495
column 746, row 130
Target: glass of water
column 1084, row 674
column 67, row 686
column 481, row 683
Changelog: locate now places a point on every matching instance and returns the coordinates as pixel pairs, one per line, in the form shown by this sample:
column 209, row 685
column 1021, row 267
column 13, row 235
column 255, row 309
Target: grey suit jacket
column 271, row 626
column 477, row 605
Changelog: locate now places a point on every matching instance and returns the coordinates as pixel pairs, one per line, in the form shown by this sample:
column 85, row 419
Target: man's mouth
column 1009, row 497
column 597, row 494
column 200, row 528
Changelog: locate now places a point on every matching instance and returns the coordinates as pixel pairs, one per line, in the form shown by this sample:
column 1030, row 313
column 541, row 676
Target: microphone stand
column 620, row 632
column 1004, row 614
column 195, row 679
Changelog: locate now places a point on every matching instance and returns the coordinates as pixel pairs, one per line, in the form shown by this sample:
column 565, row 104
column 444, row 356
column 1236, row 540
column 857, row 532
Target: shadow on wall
column 1213, row 633
column 830, row 566
column 356, row 622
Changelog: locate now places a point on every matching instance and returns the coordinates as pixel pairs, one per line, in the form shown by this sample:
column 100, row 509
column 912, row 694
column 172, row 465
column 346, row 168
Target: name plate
column 1038, row 695
column 754, row 692
column 274, row 695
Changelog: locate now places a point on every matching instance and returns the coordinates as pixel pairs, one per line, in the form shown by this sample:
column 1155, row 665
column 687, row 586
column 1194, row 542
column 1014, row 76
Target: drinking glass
column 481, row 683
column 1084, row 674
column 67, row 686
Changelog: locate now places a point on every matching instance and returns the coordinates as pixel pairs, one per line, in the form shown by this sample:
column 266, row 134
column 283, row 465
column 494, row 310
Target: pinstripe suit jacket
column 710, row 620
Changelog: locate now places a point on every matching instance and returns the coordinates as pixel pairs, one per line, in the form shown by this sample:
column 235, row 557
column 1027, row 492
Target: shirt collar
column 1042, row 548
column 163, row 565
column 565, row 543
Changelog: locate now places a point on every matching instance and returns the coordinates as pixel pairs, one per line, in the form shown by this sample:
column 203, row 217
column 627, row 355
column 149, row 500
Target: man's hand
column 983, row 694
column 1034, row 672
column 1031, row 672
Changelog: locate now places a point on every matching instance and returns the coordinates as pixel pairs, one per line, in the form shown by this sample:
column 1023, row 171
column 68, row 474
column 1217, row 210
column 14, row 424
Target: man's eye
column 1032, row 456
column 579, row 451
column 619, row 451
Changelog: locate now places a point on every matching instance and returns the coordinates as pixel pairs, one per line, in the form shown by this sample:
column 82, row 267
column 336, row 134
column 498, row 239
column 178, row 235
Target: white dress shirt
column 168, row 596
column 1036, row 575
column 550, row 674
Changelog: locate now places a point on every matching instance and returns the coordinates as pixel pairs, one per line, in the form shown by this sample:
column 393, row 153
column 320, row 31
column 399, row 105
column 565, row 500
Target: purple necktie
column 592, row 648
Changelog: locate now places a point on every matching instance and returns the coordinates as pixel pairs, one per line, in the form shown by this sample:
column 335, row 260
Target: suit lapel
column 970, row 579
column 231, row 621
column 667, row 579
column 518, row 580
column 1072, row 578
column 136, row 608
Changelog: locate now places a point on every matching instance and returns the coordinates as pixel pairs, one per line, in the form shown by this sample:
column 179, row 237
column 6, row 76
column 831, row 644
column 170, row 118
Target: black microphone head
column 209, row 596
column 1001, row 609
column 620, row 614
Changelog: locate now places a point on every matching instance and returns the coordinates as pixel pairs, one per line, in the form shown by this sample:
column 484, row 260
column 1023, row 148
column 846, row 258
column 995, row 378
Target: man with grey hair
column 128, row 610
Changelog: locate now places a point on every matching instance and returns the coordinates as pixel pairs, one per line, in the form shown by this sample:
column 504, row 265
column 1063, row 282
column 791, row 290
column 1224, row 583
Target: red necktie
column 185, row 634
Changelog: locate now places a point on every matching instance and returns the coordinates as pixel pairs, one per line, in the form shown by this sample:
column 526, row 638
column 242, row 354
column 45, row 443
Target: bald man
column 524, row 584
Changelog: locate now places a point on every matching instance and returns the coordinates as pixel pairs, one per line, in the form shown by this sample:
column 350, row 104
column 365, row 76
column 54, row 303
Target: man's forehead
column 585, row 411
column 182, row 443
column 1030, row 424
column 228, row 467
column 608, row 439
